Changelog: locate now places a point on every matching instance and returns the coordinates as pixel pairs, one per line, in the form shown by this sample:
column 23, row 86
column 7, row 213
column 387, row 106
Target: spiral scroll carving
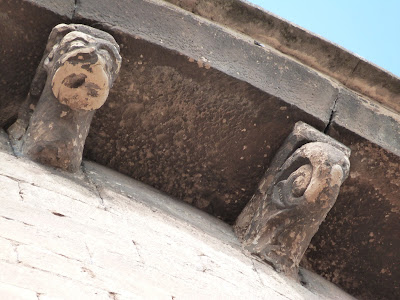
column 280, row 220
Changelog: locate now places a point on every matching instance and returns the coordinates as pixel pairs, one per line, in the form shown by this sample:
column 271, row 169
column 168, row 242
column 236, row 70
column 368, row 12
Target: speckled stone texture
column 25, row 27
column 182, row 117
column 357, row 247
column 198, row 111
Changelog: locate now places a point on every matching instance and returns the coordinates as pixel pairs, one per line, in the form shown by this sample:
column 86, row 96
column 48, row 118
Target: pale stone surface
column 100, row 235
column 7, row 252
column 8, row 291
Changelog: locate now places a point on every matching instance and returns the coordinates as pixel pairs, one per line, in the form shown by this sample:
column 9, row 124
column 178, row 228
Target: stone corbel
column 293, row 198
column 74, row 77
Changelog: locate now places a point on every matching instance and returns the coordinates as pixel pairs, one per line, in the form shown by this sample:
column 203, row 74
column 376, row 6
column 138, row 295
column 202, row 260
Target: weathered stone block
column 293, row 198
column 73, row 79
column 126, row 245
column 198, row 111
column 25, row 26
column 357, row 247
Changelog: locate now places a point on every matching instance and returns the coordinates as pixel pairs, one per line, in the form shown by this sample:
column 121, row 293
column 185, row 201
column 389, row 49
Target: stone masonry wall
column 100, row 235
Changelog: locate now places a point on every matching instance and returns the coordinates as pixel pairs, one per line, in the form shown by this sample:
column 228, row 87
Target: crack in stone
column 255, row 269
column 262, row 282
column 11, row 219
column 113, row 295
column 333, row 112
column 93, row 184
column 17, row 243
column 15, row 179
column 76, row 3
column 19, row 181
column 90, row 254
column 100, row 196
column 11, row 240
column 71, row 258
column 137, row 250
column 352, row 72
column 15, row 248
column 216, row 276
column 20, row 191
column 95, row 188
column 58, row 275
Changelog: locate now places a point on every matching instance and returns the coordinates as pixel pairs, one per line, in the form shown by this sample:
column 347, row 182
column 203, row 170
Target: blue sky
column 369, row 28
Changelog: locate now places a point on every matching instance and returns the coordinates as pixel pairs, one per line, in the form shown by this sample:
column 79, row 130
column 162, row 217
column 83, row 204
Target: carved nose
column 75, row 81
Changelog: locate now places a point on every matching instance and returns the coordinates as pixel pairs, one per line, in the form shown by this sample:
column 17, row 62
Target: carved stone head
column 74, row 78
column 82, row 66
column 299, row 196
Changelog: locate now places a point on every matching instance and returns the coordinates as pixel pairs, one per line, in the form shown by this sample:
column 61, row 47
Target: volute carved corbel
column 293, row 198
column 74, row 77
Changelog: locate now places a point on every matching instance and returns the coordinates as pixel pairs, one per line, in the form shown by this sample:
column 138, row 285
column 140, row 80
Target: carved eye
column 290, row 188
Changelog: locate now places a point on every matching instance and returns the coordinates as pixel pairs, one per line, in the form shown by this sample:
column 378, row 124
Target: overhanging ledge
column 348, row 68
column 212, row 46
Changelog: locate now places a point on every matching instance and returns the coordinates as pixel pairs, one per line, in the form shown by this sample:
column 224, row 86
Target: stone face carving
column 73, row 79
column 293, row 198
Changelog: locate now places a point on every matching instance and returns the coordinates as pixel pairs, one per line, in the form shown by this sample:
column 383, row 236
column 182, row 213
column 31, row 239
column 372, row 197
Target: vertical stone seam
column 76, row 4
column 255, row 269
column 333, row 113
column 94, row 185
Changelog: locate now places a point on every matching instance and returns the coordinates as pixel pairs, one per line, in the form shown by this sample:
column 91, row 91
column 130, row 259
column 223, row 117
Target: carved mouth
column 74, row 81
